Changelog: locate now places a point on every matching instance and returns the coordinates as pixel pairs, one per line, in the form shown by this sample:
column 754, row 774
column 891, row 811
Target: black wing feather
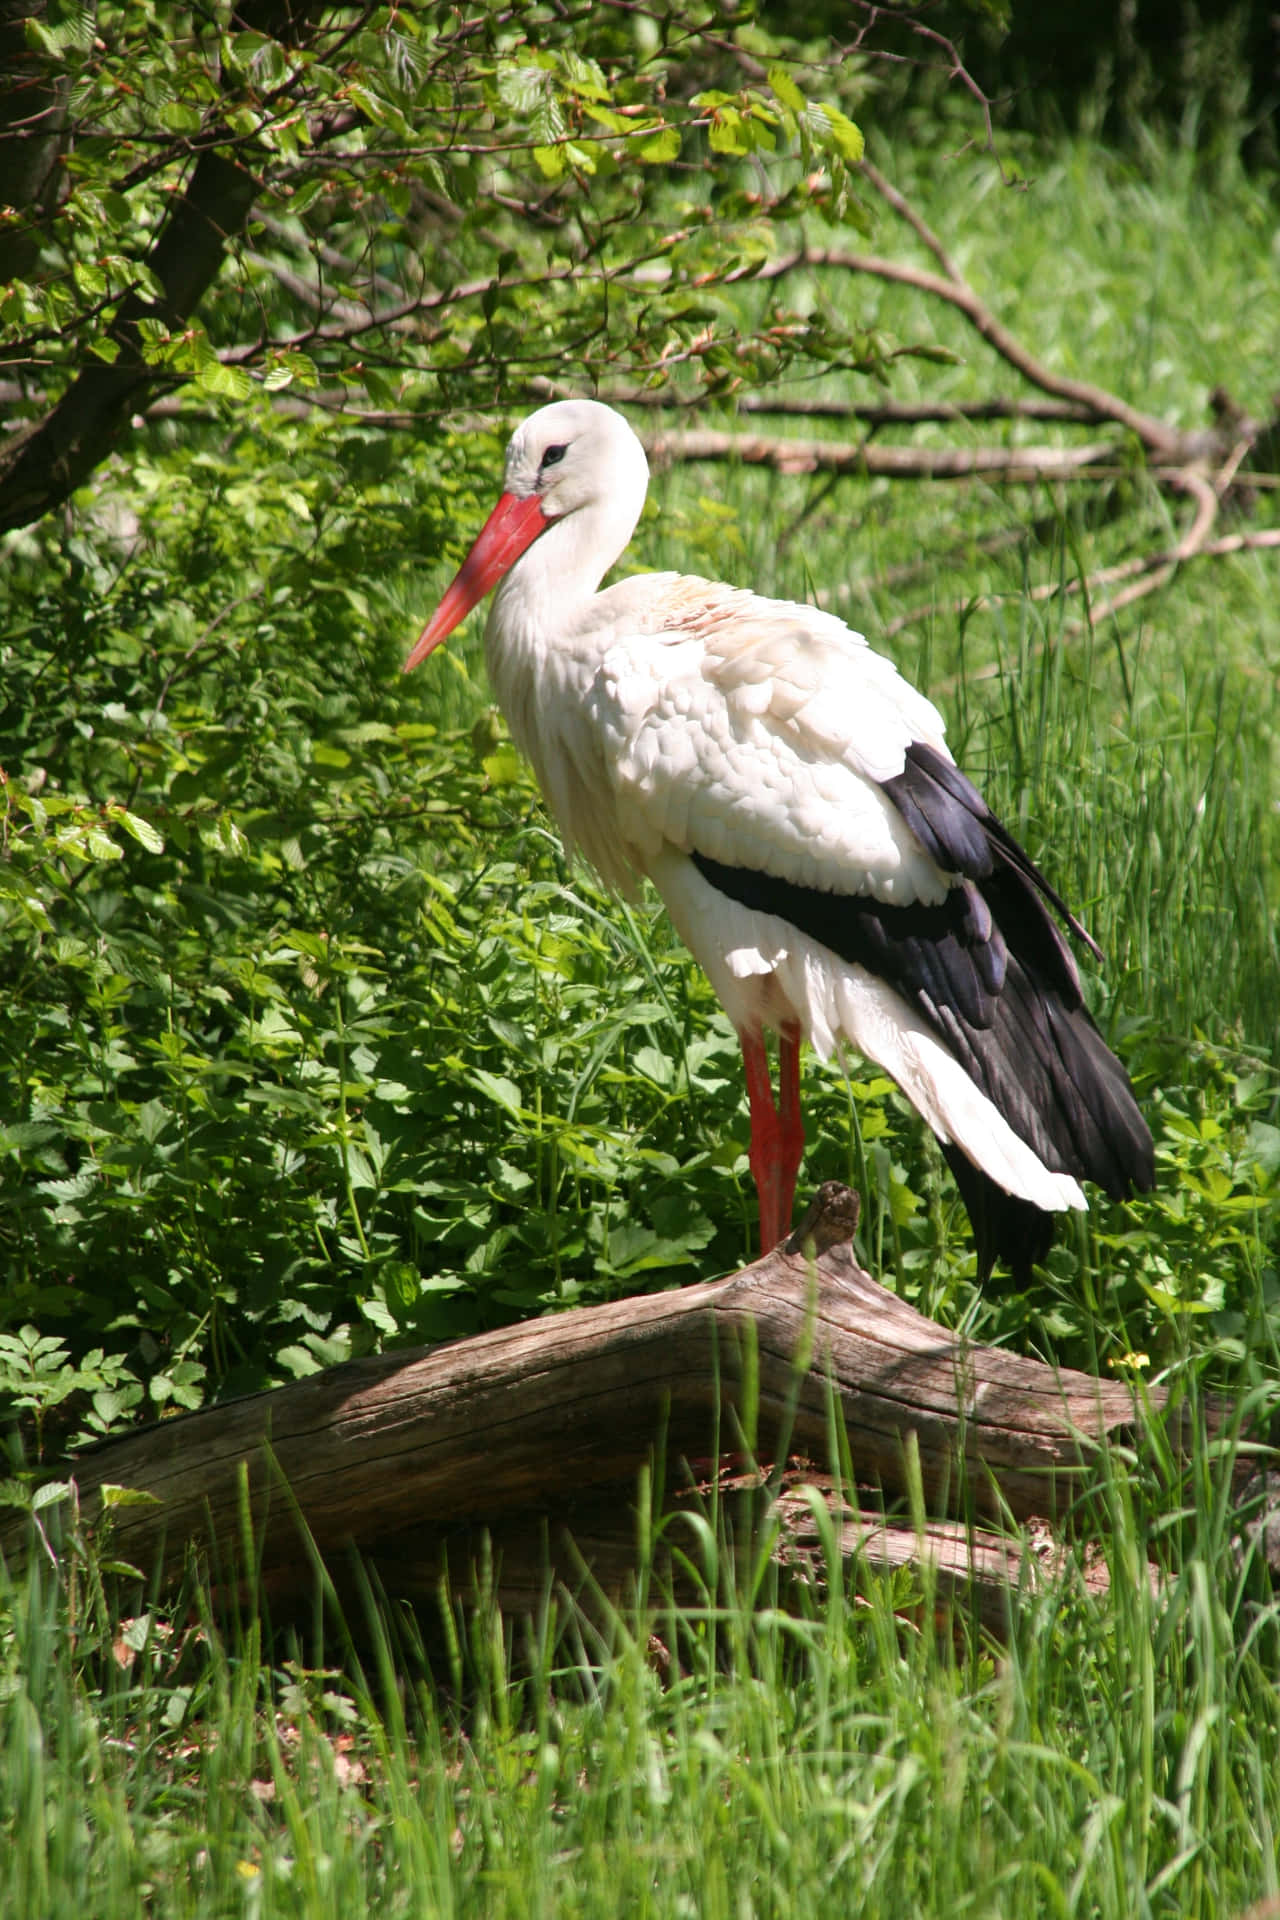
column 957, row 828
column 989, row 970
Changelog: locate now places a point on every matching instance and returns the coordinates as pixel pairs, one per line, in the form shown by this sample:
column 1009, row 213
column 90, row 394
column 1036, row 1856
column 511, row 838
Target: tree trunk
column 530, row 1439
column 34, row 97
column 43, row 461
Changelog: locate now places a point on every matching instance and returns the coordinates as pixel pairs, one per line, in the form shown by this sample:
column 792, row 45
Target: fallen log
column 522, row 1448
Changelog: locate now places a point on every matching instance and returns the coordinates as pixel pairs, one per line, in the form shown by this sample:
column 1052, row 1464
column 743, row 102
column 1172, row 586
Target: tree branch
column 44, row 461
column 34, row 98
column 1022, row 465
column 886, row 413
column 1148, row 571
column 1162, row 440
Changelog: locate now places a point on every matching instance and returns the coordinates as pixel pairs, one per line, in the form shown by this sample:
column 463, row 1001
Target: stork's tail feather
column 1004, row 1227
column 1098, row 1134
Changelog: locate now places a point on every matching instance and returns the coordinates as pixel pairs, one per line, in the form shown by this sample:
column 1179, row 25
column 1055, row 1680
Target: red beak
column 513, row 525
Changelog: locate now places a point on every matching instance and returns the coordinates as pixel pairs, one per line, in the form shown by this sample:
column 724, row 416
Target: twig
column 1160, row 571
column 1207, row 496
column 329, row 256
column 311, row 294
column 888, row 413
column 915, row 413
column 1151, row 569
column 916, row 221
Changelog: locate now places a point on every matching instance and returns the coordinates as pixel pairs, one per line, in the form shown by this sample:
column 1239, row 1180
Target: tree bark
column 33, row 114
column 44, row 461
column 531, row 1438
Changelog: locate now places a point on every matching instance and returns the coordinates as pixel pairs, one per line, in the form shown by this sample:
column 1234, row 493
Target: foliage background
column 311, row 1040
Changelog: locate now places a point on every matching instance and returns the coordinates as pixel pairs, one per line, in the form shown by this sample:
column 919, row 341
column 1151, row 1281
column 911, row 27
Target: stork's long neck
column 543, row 646
column 546, row 598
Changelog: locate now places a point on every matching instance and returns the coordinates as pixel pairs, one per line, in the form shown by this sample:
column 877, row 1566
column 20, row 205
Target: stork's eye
column 552, row 458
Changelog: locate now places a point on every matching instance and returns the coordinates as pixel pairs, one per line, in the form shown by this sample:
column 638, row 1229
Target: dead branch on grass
column 1201, row 465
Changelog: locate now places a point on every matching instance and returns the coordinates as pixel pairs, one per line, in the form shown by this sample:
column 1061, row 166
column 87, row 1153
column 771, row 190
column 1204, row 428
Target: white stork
column 793, row 801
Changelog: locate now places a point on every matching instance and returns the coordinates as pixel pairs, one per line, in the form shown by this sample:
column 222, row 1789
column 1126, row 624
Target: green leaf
column 52, row 1494
column 90, row 279
column 99, row 846
column 179, row 116
column 114, row 1497
column 503, row 1092
column 215, row 376
column 141, row 830
column 659, row 147
column 657, row 1066
column 841, row 133
column 785, row 90
column 728, row 132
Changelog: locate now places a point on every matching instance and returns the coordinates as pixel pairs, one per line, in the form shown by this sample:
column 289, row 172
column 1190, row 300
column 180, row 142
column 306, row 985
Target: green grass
column 357, row 1059
column 817, row 1750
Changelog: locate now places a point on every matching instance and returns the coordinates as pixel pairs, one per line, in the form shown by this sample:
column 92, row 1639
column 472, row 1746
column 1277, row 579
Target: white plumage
column 793, row 800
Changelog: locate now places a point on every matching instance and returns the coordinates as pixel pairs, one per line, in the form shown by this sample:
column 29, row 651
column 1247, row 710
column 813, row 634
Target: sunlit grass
column 763, row 1747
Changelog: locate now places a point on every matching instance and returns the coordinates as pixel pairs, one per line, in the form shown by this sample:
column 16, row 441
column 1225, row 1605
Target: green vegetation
column 313, row 1039
column 312, row 1043
column 755, row 1750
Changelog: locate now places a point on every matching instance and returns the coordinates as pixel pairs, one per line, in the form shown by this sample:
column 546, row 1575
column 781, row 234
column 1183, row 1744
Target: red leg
column 777, row 1139
column 792, row 1143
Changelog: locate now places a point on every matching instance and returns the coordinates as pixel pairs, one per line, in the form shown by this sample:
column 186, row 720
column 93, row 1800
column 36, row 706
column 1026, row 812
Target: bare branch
column 916, row 221
column 330, row 256
column 1160, row 439
column 1012, row 465
column 1147, row 572
column 1192, row 542
column 915, row 413
column 887, row 413
column 309, row 293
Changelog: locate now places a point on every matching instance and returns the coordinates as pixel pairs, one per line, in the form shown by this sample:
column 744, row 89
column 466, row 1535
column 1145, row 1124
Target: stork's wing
column 761, row 734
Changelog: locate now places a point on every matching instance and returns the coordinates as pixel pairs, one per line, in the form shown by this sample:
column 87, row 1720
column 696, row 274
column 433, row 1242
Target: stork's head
column 573, row 457
column 570, row 454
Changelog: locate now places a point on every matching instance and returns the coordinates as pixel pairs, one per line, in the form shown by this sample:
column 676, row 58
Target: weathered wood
column 591, row 1545
column 990, row 1573
column 536, row 1432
